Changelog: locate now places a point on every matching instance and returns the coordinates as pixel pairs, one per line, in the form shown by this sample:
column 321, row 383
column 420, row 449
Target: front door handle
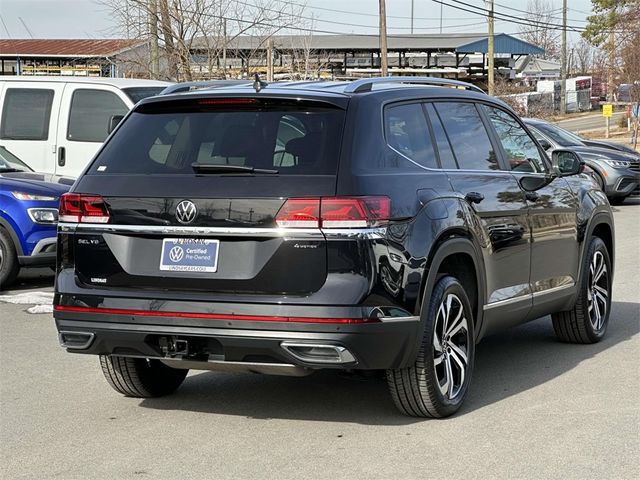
column 62, row 159
column 474, row 197
column 532, row 196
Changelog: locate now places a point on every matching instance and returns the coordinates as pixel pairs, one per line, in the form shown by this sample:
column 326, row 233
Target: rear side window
column 407, row 133
column 90, row 113
column 292, row 141
column 26, row 113
column 467, row 135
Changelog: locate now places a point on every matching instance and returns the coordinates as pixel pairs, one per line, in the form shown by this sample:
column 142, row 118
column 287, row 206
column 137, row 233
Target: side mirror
column 544, row 143
column 566, row 162
column 114, row 121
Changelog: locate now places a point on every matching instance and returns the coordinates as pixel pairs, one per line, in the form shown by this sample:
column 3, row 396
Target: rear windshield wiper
column 208, row 168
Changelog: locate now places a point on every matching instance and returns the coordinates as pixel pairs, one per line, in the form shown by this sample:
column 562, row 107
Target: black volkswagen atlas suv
column 384, row 224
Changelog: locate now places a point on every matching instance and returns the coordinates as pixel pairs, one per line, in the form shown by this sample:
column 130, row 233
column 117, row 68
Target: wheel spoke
column 436, row 343
column 459, row 354
column 602, row 291
column 438, row 360
column 449, row 376
column 455, row 324
column 600, row 270
column 461, row 367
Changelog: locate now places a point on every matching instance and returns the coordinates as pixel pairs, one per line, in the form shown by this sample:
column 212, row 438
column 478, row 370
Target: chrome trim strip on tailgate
column 375, row 232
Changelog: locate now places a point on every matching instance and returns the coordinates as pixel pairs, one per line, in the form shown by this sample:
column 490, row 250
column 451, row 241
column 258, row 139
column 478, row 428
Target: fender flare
column 440, row 251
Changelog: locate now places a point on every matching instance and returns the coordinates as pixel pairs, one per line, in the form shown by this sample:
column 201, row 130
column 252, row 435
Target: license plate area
column 189, row 255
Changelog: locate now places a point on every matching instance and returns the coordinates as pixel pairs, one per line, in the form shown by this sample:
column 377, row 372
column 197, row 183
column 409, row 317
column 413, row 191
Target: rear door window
column 407, row 133
column 292, row 141
column 90, row 113
column 467, row 135
column 26, row 113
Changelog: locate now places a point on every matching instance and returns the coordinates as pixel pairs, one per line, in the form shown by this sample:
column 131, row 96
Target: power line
column 334, row 22
column 510, row 18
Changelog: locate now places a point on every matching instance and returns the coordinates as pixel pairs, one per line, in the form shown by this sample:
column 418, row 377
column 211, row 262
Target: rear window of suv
column 293, row 141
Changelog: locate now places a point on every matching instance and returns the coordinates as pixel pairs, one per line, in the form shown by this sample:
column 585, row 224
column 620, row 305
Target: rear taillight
column 78, row 208
column 334, row 212
column 299, row 213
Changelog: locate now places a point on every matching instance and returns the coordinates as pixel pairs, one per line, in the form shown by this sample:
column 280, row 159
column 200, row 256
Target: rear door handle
column 532, row 196
column 474, row 197
column 61, row 156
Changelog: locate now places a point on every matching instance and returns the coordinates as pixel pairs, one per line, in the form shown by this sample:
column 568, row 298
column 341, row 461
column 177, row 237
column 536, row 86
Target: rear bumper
column 377, row 345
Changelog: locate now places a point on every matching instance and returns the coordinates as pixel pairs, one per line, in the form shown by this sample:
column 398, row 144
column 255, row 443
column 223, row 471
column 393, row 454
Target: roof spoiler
column 366, row 84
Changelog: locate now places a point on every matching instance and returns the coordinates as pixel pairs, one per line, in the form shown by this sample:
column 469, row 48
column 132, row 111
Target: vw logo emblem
column 186, row 211
column 176, row 254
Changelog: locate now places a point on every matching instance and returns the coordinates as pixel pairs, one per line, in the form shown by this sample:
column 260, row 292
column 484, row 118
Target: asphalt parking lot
column 537, row 409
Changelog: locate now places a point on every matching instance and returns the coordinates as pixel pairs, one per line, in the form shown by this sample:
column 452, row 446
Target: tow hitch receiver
column 173, row 347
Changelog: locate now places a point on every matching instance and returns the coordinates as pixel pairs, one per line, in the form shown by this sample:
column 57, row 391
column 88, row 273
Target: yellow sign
column 607, row 110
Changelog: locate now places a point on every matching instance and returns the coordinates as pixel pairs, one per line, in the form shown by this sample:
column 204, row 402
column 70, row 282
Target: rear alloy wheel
column 587, row 321
column 9, row 266
column 141, row 377
column 437, row 383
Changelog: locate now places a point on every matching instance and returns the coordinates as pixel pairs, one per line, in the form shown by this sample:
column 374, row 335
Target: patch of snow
column 42, row 301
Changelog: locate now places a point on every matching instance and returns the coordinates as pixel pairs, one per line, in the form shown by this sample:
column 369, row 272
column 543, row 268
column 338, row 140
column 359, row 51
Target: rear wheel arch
column 459, row 257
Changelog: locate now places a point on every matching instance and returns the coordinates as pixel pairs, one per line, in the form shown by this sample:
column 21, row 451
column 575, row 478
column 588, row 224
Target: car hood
column 611, row 146
column 37, row 183
column 606, row 154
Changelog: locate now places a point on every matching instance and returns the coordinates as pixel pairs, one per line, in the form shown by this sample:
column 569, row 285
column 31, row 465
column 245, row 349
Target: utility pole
column 153, row 39
column 490, row 67
column 411, row 18
column 270, row 60
column 563, row 61
column 441, row 5
column 383, row 40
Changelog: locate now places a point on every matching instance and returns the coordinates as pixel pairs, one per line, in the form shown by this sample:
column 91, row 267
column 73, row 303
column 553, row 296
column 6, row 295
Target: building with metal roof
column 85, row 57
column 459, row 55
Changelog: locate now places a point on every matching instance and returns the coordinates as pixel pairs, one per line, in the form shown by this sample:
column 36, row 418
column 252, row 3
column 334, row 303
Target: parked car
column 392, row 229
column 618, row 172
column 60, row 122
column 28, row 216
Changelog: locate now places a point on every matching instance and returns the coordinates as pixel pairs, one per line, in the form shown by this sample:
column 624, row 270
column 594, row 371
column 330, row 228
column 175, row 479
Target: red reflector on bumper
column 211, row 316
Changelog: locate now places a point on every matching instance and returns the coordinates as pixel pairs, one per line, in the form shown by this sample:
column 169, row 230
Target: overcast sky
column 88, row 19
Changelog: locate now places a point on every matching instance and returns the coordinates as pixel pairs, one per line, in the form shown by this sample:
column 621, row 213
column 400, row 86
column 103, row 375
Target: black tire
column 599, row 181
column 9, row 266
column 417, row 390
column 140, row 377
column 582, row 324
column 617, row 200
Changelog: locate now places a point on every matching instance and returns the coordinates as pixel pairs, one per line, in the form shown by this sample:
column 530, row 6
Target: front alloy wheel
column 587, row 321
column 598, row 293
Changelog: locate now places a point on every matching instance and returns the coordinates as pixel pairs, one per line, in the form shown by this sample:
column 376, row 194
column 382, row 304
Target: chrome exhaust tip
column 318, row 353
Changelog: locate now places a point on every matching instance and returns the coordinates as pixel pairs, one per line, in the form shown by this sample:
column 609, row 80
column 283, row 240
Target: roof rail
column 366, row 84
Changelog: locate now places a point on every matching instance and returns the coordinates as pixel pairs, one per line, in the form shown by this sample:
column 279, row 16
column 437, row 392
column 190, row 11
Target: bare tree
column 540, row 12
column 583, row 57
column 193, row 33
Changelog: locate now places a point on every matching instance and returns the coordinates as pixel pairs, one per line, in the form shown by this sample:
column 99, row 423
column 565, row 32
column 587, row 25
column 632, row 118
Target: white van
column 57, row 124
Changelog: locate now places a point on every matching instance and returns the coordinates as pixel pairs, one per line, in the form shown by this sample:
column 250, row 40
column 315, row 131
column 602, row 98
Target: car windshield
column 559, row 135
column 138, row 93
column 10, row 163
